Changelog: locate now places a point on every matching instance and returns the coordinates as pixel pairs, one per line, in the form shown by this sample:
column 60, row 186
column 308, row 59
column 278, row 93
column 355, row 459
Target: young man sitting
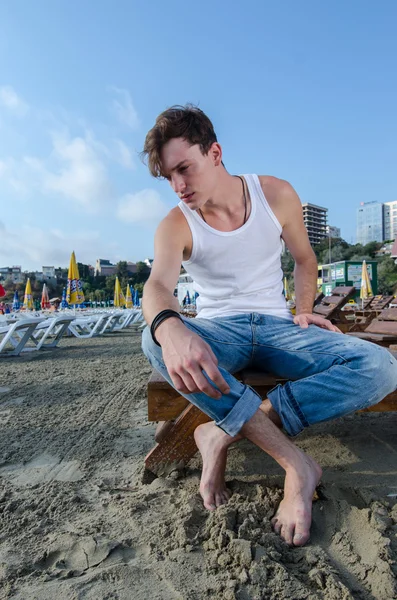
column 227, row 231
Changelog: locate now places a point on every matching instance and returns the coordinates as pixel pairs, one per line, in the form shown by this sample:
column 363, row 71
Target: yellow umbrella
column 128, row 298
column 286, row 289
column 28, row 298
column 119, row 299
column 366, row 289
column 74, row 292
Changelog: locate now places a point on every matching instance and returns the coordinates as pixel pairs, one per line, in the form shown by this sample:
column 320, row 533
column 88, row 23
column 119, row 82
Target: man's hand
column 306, row 319
column 186, row 356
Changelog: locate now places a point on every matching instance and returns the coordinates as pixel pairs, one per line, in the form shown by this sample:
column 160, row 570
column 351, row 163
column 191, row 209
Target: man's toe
column 287, row 534
column 301, row 537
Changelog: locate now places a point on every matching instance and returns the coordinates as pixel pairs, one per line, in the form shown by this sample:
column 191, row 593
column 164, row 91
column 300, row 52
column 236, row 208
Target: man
column 227, row 233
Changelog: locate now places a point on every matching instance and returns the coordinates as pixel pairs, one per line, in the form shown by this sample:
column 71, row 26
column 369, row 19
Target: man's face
column 191, row 174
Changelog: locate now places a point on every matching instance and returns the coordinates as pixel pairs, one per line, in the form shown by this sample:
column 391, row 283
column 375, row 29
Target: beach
column 81, row 519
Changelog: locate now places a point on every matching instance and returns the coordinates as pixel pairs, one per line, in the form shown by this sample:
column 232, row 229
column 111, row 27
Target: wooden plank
column 178, row 447
column 323, row 311
column 337, row 300
column 344, row 290
column 388, row 314
column 385, row 327
column 165, row 404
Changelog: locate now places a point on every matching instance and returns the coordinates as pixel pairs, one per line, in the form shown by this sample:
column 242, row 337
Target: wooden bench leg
column 176, row 449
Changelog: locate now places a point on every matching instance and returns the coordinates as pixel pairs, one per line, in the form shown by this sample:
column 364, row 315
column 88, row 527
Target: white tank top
column 238, row 271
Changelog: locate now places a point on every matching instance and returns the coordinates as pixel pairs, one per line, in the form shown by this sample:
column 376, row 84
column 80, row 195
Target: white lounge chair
column 51, row 329
column 88, row 327
column 14, row 337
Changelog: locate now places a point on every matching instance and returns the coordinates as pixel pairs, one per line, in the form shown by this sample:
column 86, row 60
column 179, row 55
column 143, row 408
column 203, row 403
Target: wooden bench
column 177, row 445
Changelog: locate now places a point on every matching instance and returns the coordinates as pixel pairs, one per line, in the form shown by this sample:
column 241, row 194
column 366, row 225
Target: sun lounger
column 381, row 302
column 49, row 333
column 382, row 330
column 14, row 337
column 88, row 327
column 330, row 307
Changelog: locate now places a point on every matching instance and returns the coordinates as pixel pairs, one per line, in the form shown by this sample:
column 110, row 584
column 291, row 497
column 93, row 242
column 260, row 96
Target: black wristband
column 158, row 319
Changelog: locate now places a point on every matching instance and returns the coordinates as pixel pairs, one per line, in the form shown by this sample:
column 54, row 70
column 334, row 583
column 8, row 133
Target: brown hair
column 187, row 122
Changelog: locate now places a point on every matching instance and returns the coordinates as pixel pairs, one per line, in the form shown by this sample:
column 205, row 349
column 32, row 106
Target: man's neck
column 227, row 197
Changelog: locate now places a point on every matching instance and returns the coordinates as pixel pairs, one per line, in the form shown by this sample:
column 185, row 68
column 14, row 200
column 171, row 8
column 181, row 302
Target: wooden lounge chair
column 381, row 302
column 330, row 307
column 176, row 443
column 382, row 330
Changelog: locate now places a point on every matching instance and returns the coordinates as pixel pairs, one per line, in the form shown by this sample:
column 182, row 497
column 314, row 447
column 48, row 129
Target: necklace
column 245, row 203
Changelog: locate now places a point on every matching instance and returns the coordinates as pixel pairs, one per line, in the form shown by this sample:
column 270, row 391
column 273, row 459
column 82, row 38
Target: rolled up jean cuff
column 241, row 412
column 288, row 409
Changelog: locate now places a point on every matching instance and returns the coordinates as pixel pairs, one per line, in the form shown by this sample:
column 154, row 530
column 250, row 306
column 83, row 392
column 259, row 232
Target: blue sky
column 304, row 91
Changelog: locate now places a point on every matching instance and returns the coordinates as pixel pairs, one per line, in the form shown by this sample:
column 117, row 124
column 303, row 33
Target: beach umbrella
column 28, row 298
column 64, row 303
column 74, row 292
column 286, row 289
column 128, row 298
column 366, row 288
column 119, row 299
column 2, row 291
column 136, row 298
column 45, row 299
column 16, row 305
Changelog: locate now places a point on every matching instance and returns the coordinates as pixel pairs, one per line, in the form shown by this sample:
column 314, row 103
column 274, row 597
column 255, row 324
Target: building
column 104, row 267
column 48, row 272
column 390, row 220
column 346, row 273
column 315, row 219
column 333, row 232
column 13, row 274
column 370, row 223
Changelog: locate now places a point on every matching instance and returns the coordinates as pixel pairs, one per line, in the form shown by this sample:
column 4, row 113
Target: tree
column 122, row 269
column 387, row 275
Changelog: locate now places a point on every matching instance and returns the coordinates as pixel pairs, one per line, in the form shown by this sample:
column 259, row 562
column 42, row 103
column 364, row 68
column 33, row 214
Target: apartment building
column 390, row 220
column 315, row 219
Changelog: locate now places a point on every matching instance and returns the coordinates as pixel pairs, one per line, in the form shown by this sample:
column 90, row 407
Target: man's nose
column 178, row 184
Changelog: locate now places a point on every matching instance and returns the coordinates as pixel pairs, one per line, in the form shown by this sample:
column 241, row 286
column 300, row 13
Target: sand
column 80, row 519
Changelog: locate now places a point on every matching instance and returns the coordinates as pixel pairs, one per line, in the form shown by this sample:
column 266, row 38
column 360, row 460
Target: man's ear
column 216, row 153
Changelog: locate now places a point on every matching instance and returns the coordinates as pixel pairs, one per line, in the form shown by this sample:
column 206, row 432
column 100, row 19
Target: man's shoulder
column 274, row 185
column 175, row 226
column 174, row 218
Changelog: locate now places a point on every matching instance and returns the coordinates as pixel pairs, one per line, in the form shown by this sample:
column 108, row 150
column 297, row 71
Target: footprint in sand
column 4, row 416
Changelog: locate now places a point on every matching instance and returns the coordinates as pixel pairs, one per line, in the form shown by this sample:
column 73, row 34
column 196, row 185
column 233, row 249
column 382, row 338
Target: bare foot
column 213, row 444
column 294, row 515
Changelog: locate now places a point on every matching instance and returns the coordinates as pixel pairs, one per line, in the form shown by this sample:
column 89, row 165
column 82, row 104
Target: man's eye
column 182, row 169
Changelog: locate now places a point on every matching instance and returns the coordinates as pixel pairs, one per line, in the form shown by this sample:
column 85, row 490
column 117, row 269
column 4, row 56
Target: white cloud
column 124, row 109
column 10, row 100
column 144, row 206
column 33, row 247
column 123, row 155
column 75, row 170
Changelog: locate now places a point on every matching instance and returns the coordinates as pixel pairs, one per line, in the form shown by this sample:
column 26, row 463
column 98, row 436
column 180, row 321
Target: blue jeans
column 329, row 374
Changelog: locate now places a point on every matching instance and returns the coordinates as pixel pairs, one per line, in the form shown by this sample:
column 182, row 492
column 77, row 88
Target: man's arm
column 158, row 292
column 185, row 354
column 297, row 241
column 287, row 207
